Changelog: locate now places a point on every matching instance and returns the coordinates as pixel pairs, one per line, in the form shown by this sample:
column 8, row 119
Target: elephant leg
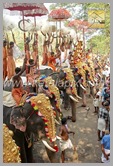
column 78, row 90
column 19, row 139
column 29, row 153
column 66, row 100
column 73, row 109
column 53, row 156
column 84, row 99
column 92, row 91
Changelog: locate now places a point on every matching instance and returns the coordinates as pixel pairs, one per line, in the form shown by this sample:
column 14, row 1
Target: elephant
column 66, row 84
column 27, row 124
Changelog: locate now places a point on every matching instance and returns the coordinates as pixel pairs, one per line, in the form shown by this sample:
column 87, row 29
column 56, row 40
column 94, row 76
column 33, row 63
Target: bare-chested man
column 65, row 142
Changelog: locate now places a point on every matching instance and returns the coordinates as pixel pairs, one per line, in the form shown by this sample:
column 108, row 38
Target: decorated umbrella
column 33, row 13
column 59, row 15
column 80, row 24
column 22, row 7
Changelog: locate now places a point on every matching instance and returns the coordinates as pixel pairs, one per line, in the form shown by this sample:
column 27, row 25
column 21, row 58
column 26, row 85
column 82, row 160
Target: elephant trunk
column 48, row 146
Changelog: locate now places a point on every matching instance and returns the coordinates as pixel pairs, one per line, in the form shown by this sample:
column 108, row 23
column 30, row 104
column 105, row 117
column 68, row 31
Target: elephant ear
column 17, row 119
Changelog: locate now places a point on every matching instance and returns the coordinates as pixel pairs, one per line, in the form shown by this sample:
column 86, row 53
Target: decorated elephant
column 66, row 84
column 90, row 77
column 81, row 82
column 34, row 119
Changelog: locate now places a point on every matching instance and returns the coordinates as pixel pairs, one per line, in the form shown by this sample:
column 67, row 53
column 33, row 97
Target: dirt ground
column 85, row 139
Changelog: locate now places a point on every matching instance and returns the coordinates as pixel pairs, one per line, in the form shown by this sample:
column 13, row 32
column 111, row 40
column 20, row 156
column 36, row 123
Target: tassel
column 33, row 104
column 45, row 120
column 35, row 108
column 56, row 148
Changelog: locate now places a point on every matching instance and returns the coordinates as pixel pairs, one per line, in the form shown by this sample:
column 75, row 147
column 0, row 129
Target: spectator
column 65, row 142
column 105, row 147
column 96, row 100
column 96, row 103
column 103, row 119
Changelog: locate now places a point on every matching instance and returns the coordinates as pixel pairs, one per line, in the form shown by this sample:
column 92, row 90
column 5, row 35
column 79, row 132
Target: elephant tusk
column 78, row 97
column 82, row 87
column 95, row 80
column 73, row 98
column 99, row 75
column 48, row 146
column 91, row 83
column 57, row 122
column 58, row 137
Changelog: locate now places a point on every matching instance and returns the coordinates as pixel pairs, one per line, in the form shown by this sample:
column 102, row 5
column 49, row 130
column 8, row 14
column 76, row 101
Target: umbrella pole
column 35, row 21
column 24, row 32
column 56, row 35
column 83, row 43
column 37, row 46
column 60, row 41
column 25, row 49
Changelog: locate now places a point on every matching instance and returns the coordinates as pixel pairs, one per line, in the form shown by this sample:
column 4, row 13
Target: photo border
column 1, row 75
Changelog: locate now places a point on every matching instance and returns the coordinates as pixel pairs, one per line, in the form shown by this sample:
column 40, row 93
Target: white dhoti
column 101, row 124
column 66, row 144
column 103, row 159
column 8, row 99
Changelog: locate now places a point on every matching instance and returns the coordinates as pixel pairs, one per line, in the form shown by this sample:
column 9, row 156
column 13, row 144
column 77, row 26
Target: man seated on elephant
column 65, row 142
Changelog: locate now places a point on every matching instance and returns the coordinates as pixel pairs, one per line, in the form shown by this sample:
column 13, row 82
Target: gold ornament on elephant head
column 43, row 105
column 82, row 72
column 49, row 82
column 70, row 78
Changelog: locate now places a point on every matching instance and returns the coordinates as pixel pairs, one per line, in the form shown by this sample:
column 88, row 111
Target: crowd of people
column 101, row 102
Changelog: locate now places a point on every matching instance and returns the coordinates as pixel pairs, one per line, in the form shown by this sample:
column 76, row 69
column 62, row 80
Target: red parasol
column 59, row 14
column 80, row 24
column 21, row 6
column 36, row 12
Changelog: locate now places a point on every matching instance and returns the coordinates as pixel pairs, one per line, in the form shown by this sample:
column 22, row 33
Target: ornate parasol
column 59, row 15
column 80, row 24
